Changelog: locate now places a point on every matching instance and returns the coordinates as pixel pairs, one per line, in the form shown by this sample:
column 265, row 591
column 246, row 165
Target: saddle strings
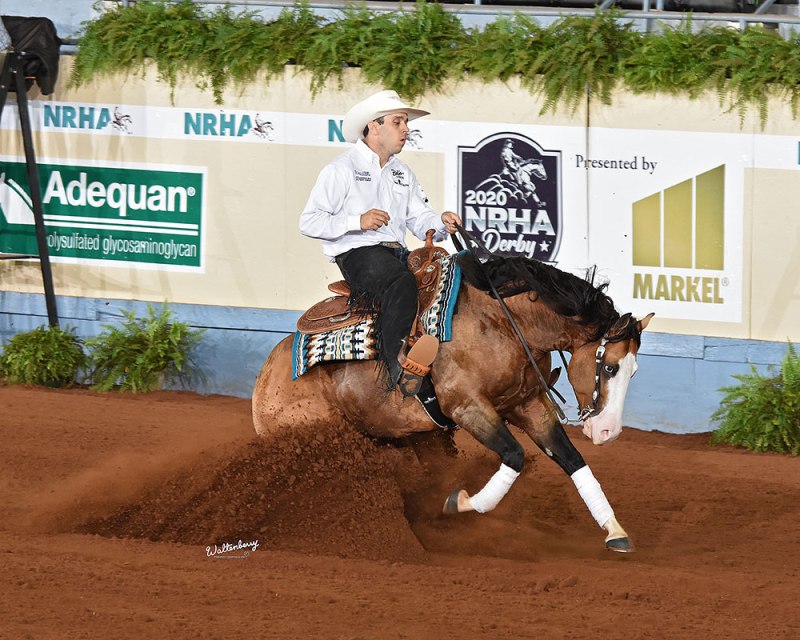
column 548, row 390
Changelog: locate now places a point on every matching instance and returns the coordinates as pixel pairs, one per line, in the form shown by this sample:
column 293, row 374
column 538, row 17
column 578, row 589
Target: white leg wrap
column 490, row 496
column 592, row 495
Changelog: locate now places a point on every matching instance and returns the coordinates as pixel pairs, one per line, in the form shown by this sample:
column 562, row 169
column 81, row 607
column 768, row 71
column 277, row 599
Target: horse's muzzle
column 599, row 433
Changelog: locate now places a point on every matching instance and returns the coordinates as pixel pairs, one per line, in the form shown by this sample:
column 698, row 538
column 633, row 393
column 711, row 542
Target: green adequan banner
column 145, row 216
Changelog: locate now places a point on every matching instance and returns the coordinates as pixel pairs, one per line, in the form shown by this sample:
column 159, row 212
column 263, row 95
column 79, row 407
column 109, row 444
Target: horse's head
column 535, row 167
column 600, row 371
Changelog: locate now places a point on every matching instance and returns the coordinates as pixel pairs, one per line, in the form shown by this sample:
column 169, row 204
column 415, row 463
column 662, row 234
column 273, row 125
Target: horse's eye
column 610, row 369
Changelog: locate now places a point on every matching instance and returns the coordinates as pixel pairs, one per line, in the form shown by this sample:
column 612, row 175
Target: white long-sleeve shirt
column 353, row 184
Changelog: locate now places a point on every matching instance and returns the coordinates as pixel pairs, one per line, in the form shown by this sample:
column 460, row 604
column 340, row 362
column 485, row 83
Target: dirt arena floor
column 136, row 516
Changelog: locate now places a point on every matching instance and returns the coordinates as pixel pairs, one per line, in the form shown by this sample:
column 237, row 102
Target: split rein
column 587, row 411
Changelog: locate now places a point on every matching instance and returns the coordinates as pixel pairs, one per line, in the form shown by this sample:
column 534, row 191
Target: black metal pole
column 35, row 188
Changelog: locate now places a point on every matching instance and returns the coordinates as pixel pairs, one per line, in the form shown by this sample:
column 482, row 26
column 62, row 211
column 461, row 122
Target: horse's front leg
column 483, row 423
column 538, row 421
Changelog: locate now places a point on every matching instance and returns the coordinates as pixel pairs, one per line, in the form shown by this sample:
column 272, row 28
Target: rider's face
column 390, row 137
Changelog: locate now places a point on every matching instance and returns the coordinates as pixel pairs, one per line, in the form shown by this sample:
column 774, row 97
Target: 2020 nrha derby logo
column 510, row 195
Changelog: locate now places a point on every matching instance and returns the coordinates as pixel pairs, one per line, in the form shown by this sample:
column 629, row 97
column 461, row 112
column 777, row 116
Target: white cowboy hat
column 377, row 105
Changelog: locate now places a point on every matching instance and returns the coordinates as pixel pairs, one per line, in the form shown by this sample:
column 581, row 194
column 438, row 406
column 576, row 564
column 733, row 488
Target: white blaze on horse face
column 607, row 425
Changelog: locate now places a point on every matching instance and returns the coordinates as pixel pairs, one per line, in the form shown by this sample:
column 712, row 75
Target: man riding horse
column 360, row 207
column 488, row 385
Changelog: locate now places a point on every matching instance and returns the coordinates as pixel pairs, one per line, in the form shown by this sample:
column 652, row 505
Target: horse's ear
column 642, row 324
column 620, row 327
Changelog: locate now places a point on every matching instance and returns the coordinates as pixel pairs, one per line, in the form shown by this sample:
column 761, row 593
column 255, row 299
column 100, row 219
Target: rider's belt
column 391, row 245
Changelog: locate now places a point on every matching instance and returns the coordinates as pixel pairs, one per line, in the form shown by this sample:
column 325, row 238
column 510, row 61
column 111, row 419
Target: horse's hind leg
column 489, row 429
column 551, row 438
column 281, row 405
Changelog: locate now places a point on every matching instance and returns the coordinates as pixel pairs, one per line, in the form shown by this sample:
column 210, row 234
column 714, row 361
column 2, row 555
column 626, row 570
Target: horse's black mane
column 565, row 293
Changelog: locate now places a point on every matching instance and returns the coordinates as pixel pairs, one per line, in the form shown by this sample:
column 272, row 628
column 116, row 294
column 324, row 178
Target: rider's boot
column 416, row 364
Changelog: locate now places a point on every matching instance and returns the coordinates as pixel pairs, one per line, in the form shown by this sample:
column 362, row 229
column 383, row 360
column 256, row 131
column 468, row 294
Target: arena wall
column 153, row 195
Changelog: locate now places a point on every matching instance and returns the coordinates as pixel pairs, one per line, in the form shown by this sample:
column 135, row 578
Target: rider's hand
column 450, row 220
column 374, row 219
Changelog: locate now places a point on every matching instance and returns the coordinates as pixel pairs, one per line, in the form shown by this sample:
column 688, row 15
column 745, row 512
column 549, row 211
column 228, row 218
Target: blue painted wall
column 676, row 389
column 234, row 346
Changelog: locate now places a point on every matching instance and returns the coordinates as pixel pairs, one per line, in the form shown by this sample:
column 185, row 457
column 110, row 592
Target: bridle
column 589, row 410
column 599, row 354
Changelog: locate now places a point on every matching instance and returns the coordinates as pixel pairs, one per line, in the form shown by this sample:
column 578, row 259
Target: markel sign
column 671, row 239
column 678, row 234
column 109, row 213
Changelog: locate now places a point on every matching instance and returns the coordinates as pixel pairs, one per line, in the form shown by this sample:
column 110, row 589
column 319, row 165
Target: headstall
column 587, row 411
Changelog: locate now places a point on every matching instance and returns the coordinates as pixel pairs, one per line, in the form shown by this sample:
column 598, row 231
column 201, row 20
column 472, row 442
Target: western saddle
column 335, row 312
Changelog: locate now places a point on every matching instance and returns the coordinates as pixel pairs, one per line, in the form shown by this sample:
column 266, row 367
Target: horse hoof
column 620, row 545
column 451, row 503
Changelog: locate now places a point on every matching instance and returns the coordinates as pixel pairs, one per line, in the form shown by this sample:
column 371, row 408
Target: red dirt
column 108, row 502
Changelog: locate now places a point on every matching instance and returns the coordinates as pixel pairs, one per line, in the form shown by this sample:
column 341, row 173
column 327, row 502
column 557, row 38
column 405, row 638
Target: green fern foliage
column 413, row 51
column 217, row 49
column 420, row 47
column 678, row 61
column 46, row 356
column 172, row 35
column 342, row 43
column 580, row 55
column 505, row 48
column 762, row 413
column 757, row 65
column 143, row 354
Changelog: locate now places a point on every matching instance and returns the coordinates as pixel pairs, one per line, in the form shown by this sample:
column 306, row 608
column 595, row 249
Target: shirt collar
column 370, row 156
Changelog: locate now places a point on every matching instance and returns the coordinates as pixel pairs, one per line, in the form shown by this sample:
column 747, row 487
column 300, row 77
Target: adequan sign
column 146, row 216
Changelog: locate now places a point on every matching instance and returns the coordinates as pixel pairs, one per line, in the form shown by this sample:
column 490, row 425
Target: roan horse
column 484, row 379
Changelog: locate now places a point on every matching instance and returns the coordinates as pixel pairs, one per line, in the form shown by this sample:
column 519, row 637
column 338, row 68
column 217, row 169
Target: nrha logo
column 510, row 195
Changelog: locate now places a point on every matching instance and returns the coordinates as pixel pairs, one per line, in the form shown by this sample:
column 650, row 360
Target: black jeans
column 379, row 274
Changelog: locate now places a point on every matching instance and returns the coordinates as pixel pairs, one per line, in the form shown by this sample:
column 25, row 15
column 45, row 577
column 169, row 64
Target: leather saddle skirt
column 335, row 312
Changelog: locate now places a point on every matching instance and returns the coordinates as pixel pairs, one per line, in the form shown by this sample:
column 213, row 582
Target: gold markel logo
column 681, row 228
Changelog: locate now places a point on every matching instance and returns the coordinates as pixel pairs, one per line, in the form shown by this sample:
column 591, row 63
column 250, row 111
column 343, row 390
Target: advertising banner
column 667, row 224
column 108, row 213
column 660, row 213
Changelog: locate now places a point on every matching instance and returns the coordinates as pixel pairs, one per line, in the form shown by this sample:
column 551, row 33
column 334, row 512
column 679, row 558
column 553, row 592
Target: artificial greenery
column 46, row 356
column 679, row 61
column 418, row 51
column 413, row 51
column 762, row 413
column 143, row 354
column 580, row 55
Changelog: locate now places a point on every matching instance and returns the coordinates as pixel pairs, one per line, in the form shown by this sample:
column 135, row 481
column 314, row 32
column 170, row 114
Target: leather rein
column 587, row 411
